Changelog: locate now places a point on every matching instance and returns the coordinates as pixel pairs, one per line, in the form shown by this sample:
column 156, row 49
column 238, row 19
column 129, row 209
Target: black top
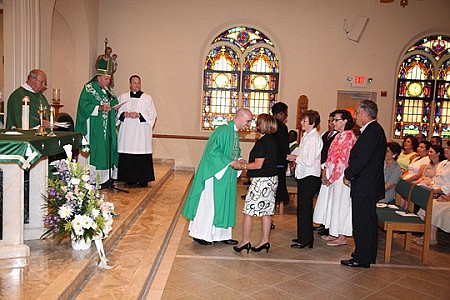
column 327, row 139
column 282, row 140
column 266, row 148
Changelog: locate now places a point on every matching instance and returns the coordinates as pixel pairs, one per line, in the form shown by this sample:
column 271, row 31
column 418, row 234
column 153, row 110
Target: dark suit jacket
column 282, row 139
column 366, row 163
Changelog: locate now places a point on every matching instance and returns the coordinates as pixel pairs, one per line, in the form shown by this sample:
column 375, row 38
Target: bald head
column 243, row 118
column 37, row 80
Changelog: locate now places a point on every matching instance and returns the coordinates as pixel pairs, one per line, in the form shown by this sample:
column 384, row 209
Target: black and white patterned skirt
column 260, row 199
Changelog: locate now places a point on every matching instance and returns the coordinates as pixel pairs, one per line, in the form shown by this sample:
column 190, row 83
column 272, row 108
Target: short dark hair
column 279, row 107
column 438, row 138
column 370, row 107
column 266, row 124
column 345, row 115
column 313, row 117
column 135, row 76
column 426, row 143
column 395, row 148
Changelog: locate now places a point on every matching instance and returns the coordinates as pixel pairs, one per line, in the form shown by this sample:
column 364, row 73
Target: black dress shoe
column 324, row 232
column 319, row 228
column 202, row 242
column 302, row 245
column 229, row 242
column 373, row 261
column 295, row 240
column 354, row 264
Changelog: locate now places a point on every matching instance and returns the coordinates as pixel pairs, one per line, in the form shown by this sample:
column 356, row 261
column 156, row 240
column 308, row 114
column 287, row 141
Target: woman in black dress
column 260, row 199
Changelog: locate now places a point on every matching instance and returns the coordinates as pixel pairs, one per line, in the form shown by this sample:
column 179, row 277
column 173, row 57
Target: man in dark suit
column 366, row 179
column 280, row 112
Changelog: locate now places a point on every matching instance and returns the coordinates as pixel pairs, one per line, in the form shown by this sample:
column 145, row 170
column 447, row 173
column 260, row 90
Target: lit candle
column 25, row 113
column 52, row 112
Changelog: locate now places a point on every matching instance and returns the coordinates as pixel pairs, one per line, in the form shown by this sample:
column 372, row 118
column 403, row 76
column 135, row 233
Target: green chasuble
column 102, row 134
column 14, row 109
column 217, row 155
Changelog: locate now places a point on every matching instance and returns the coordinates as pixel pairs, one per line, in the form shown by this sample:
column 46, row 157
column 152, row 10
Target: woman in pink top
column 333, row 208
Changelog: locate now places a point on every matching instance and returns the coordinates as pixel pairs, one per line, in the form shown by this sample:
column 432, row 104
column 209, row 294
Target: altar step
column 137, row 255
column 133, row 248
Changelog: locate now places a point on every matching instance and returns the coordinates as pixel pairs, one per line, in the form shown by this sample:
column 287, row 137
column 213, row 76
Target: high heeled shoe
column 243, row 247
column 263, row 246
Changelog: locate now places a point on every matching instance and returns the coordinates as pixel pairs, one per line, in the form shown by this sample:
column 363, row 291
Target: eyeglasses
column 43, row 82
column 335, row 120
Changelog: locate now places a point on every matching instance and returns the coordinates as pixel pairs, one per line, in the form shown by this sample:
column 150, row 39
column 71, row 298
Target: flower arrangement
column 74, row 206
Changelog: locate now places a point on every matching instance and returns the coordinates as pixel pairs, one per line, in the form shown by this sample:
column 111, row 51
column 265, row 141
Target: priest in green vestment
column 211, row 202
column 96, row 121
column 34, row 86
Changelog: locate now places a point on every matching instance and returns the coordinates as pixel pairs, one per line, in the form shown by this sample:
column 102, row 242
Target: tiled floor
column 191, row 271
column 203, row 272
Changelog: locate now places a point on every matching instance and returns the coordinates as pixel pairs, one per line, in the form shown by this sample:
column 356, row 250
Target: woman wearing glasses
column 333, row 208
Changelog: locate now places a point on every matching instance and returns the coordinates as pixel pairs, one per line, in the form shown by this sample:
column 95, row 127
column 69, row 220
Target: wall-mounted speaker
column 358, row 28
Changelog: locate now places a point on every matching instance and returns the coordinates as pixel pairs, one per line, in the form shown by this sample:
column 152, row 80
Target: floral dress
column 333, row 207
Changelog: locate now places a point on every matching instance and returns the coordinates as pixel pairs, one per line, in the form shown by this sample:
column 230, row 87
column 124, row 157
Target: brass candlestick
column 41, row 131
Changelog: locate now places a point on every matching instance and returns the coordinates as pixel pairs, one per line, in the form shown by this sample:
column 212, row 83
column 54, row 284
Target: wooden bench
column 391, row 222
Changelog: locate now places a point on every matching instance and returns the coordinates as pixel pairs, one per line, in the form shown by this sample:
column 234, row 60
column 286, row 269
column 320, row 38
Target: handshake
column 240, row 164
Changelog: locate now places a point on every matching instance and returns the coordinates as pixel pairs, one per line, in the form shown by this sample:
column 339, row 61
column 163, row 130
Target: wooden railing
column 194, row 137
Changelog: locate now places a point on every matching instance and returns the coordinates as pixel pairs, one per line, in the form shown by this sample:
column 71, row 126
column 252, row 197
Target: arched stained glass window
column 441, row 121
column 260, row 80
column 241, row 69
column 220, row 86
column 420, row 107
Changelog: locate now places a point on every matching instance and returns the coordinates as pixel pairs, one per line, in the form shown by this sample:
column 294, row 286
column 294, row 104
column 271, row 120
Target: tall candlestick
column 52, row 113
column 25, row 113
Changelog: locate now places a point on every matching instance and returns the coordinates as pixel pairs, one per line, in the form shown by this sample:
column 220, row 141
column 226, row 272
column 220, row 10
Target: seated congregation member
column 441, row 182
column 307, row 173
column 260, row 199
column 392, row 172
column 410, row 144
column 441, row 187
column 436, row 155
column 418, row 165
column 334, row 207
column 136, row 116
column 436, row 140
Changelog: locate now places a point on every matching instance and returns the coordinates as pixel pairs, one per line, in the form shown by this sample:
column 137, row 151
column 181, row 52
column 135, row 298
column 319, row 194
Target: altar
column 23, row 181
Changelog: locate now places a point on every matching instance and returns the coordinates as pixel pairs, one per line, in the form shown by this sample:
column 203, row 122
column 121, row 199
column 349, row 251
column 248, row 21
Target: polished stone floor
column 156, row 259
column 200, row 272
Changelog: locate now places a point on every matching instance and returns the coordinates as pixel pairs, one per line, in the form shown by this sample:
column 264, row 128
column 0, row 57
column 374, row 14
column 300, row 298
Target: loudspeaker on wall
column 357, row 29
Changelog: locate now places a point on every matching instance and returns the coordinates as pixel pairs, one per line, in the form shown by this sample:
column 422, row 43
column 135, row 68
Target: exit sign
column 359, row 81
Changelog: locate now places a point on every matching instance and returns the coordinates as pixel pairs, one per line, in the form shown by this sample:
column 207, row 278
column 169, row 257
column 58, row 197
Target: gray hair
column 370, row 108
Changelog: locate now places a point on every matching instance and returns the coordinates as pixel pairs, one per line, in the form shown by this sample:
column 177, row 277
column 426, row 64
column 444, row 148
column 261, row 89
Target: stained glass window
column 240, row 70
column 422, row 104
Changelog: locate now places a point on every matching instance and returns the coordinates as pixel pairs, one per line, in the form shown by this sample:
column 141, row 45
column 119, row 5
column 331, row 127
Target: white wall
column 165, row 42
